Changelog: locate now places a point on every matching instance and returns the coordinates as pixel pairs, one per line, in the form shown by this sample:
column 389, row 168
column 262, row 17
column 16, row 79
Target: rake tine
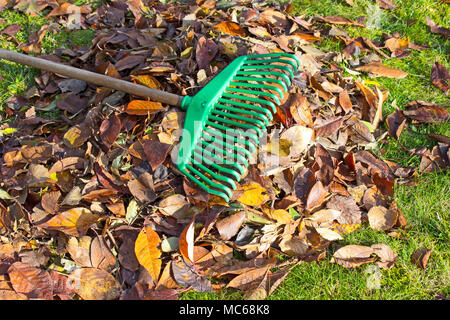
column 235, row 109
column 212, row 146
column 218, row 167
column 270, row 66
column 258, row 86
column 215, row 175
column 238, row 124
column 203, row 186
column 250, row 145
column 227, row 145
column 212, row 183
column 242, row 111
column 245, row 98
column 262, row 73
column 262, row 93
column 270, row 80
column 288, row 62
column 237, row 132
column 238, row 117
column 248, row 106
column 220, row 160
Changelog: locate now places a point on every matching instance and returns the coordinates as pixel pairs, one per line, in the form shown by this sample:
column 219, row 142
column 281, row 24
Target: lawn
column 426, row 206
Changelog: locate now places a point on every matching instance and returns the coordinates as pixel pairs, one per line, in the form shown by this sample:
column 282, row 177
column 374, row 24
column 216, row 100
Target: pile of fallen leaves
column 91, row 205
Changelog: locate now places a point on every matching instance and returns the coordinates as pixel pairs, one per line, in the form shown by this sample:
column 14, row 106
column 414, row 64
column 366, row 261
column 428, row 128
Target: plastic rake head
column 227, row 118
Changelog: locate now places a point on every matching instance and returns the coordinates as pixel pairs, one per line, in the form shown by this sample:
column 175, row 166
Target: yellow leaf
column 284, row 147
column 54, row 176
column 230, row 48
column 74, row 137
column 254, row 195
column 143, row 107
column 148, row 81
column 372, row 82
column 147, row 252
column 280, row 215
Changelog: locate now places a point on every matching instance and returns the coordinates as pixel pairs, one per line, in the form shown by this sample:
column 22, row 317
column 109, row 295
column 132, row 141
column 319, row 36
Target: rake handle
column 92, row 77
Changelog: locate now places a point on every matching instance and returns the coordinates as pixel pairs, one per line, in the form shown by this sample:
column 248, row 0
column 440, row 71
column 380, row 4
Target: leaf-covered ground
column 348, row 199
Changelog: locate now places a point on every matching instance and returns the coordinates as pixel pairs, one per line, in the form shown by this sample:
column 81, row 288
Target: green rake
column 224, row 121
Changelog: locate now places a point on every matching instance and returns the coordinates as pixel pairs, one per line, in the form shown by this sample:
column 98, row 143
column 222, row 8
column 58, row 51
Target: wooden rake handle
column 92, row 77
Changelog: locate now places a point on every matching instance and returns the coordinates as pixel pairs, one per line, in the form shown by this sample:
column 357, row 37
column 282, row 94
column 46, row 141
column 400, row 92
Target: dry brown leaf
column 274, row 18
column 386, row 4
column 188, row 277
column 156, row 152
column 229, row 226
column 299, row 108
column 387, row 255
column 94, row 284
column 350, row 212
column 79, row 250
column 426, row 112
column 205, row 52
column 101, row 255
column 326, row 166
column 437, row 29
column 345, row 102
column 148, row 81
column 340, row 21
column 395, row 123
column 303, row 184
column 294, row 245
column 316, row 196
column 329, row 234
column 394, row 44
column 440, row 77
column 420, row 257
column 110, row 129
column 280, row 216
column 352, row 256
column 248, row 280
column 380, row 70
column 381, row 218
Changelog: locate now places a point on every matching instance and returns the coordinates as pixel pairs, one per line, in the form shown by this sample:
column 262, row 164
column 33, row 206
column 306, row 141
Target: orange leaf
column 31, row 281
column 147, row 252
column 143, row 107
column 186, row 242
column 231, row 28
column 74, row 222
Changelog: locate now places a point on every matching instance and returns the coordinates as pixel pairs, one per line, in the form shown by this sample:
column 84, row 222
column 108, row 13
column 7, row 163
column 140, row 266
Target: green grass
column 425, row 206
